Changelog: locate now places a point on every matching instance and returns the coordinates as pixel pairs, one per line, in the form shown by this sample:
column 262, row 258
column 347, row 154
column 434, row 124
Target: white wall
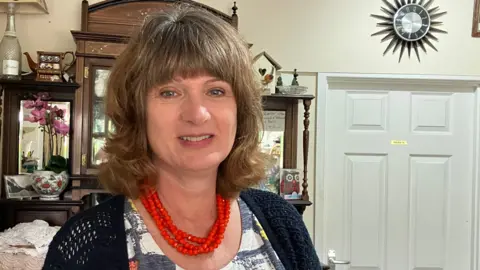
column 310, row 35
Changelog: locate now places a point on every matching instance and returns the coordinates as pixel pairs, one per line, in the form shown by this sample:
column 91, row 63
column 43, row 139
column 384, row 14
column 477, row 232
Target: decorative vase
column 49, row 185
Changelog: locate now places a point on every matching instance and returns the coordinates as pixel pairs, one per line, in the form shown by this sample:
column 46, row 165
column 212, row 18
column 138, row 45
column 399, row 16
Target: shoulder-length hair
column 182, row 41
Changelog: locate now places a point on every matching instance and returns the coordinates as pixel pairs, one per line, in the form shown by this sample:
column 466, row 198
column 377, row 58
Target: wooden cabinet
column 95, row 124
column 55, row 213
column 94, row 60
column 14, row 211
column 106, row 28
column 289, row 104
column 16, row 91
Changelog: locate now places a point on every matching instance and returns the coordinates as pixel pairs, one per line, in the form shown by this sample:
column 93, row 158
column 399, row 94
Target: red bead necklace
column 183, row 242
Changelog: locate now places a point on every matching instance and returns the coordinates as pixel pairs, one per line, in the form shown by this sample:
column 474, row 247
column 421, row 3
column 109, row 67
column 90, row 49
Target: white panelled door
column 398, row 175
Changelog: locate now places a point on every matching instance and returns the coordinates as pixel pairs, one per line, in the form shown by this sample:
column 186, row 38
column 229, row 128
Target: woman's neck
column 189, row 197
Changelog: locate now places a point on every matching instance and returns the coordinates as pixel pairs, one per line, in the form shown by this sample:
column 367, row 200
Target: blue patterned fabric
column 96, row 238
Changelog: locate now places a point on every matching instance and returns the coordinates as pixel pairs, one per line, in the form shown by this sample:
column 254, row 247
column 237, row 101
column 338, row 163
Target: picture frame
column 19, row 187
column 476, row 19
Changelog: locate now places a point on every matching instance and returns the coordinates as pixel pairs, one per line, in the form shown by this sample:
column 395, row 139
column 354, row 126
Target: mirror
column 40, row 138
column 272, row 144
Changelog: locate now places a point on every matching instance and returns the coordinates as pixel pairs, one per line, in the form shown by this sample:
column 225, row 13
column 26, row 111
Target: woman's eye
column 216, row 92
column 167, row 93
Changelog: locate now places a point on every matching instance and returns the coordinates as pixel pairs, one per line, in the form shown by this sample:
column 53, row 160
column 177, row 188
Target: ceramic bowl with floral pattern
column 49, row 185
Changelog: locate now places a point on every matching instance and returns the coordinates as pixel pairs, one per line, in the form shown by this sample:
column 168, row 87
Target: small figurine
column 279, row 83
column 266, row 78
column 295, row 75
column 290, row 184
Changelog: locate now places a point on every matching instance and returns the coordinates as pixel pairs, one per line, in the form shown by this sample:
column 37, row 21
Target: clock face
column 410, row 25
column 411, row 22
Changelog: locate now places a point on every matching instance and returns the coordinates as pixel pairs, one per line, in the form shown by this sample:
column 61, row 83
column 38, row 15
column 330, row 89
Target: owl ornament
column 290, row 184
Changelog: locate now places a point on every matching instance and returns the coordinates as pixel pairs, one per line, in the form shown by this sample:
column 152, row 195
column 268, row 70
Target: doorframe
column 400, row 81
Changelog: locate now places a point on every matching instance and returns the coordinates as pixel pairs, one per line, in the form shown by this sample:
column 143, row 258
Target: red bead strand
column 184, row 242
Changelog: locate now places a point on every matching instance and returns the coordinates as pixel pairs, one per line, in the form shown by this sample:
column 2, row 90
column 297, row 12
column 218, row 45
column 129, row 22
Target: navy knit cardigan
column 96, row 239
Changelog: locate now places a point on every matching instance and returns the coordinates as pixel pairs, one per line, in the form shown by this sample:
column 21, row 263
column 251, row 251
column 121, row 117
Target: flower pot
column 49, row 185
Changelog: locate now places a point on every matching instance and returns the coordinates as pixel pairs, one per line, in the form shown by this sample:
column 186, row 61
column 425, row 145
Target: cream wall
column 316, row 35
column 310, row 35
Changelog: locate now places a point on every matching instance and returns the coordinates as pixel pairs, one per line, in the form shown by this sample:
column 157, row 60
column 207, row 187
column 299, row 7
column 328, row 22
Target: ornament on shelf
column 264, row 63
column 294, row 89
column 290, row 184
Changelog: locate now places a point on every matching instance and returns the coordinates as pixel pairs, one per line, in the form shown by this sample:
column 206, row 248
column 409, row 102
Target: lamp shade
column 25, row 6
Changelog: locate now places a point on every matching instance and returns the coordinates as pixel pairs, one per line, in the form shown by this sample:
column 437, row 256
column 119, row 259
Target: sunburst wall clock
column 409, row 24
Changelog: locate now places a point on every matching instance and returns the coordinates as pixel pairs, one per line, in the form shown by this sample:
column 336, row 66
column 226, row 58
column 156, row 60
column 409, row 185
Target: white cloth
column 31, row 238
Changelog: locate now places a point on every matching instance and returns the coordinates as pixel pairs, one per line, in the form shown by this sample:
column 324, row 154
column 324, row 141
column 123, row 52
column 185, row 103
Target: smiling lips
column 196, row 141
column 195, row 138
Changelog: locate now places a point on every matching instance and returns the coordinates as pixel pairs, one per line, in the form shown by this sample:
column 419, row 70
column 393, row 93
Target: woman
column 187, row 113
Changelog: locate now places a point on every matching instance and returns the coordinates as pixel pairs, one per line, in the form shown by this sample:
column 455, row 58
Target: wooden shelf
column 39, row 204
column 29, row 81
column 280, row 96
column 300, row 202
column 301, row 205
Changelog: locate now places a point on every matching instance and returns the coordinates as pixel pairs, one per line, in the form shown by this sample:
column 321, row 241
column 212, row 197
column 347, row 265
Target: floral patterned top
column 255, row 252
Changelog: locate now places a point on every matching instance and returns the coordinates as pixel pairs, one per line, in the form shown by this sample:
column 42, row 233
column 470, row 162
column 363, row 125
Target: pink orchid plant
column 52, row 122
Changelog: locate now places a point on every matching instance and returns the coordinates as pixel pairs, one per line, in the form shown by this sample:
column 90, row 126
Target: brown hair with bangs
column 182, row 41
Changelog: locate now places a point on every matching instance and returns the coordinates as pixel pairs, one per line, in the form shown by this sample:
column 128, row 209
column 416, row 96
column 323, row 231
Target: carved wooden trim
column 105, row 4
column 234, row 15
column 306, row 138
column 126, row 16
column 100, row 37
column 84, row 15
column 102, row 48
column 93, row 56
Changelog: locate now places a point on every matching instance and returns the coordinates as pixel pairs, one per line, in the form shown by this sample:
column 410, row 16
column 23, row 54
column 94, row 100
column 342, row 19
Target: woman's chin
column 202, row 164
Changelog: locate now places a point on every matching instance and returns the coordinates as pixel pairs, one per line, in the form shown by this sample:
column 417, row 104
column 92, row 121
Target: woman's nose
column 194, row 111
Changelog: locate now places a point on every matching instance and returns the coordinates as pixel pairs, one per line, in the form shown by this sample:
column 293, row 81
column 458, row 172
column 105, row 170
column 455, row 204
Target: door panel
column 398, row 179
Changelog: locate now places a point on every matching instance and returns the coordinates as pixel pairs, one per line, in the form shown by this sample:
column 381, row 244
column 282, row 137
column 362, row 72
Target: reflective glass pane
column 97, row 150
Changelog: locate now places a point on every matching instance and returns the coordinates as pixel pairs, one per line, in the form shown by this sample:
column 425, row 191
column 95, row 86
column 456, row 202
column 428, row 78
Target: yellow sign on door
column 398, row 142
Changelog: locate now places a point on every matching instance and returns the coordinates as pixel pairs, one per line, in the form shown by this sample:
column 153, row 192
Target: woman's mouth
column 195, row 138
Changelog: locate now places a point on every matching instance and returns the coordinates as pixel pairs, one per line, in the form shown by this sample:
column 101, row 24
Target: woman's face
column 191, row 123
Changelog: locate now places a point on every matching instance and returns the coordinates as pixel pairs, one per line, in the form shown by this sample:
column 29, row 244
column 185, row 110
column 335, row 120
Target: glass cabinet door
column 98, row 125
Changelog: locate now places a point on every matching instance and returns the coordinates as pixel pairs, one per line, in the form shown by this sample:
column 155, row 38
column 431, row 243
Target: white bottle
column 10, row 50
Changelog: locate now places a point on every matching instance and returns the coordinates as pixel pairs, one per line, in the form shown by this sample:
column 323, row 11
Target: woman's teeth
column 195, row 139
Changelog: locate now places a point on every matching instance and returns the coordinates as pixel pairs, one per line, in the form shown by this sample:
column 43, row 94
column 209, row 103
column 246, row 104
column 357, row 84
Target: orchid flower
column 50, row 118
